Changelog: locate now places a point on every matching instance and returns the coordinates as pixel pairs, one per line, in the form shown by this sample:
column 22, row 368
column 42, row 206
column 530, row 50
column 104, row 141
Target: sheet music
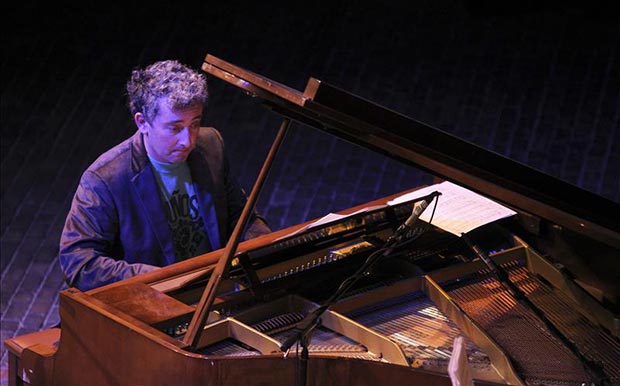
column 459, row 210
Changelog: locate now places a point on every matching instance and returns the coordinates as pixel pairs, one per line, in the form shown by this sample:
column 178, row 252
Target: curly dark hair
column 180, row 85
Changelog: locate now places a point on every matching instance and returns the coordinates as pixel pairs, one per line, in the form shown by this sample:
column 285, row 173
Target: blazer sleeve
column 90, row 239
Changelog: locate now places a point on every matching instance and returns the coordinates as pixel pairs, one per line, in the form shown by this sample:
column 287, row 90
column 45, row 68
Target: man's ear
column 141, row 122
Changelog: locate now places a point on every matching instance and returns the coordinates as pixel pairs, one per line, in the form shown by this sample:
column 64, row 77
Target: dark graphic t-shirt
column 182, row 210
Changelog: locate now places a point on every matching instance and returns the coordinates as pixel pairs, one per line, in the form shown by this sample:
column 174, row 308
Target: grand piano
column 530, row 299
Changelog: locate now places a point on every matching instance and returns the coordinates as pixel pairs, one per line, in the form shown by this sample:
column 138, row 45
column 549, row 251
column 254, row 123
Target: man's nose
column 185, row 137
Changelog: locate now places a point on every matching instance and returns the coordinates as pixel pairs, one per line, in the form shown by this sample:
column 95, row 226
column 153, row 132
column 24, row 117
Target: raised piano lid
column 370, row 125
column 581, row 229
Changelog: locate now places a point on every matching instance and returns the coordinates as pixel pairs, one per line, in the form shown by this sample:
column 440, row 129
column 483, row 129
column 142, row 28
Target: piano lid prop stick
column 194, row 331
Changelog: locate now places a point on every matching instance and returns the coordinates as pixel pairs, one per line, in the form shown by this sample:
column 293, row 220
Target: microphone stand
column 304, row 328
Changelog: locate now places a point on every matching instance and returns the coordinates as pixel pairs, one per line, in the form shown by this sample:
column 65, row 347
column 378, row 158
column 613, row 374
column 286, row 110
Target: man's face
column 171, row 135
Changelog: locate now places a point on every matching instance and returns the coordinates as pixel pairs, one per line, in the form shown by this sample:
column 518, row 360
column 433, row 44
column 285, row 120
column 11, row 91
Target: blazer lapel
column 147, row 191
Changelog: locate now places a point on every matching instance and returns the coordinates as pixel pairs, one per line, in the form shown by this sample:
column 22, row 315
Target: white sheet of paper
column 459, row 210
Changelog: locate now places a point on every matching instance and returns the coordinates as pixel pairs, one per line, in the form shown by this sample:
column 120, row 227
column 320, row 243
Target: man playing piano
column 163, row 195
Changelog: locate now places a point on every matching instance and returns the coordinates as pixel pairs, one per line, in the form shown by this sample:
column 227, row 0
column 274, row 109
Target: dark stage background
column 539, row 84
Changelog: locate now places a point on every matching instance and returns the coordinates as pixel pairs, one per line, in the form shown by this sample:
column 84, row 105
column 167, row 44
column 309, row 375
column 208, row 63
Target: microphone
column 415, row 214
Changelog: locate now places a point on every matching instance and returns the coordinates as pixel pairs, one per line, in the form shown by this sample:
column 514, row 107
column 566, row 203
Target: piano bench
column 45, row 342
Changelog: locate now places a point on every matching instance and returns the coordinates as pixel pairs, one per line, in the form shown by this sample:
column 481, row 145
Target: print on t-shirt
column 186, row 224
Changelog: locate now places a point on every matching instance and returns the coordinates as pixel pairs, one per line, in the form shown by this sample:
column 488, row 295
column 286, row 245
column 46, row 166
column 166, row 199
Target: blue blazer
column 116, row 227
